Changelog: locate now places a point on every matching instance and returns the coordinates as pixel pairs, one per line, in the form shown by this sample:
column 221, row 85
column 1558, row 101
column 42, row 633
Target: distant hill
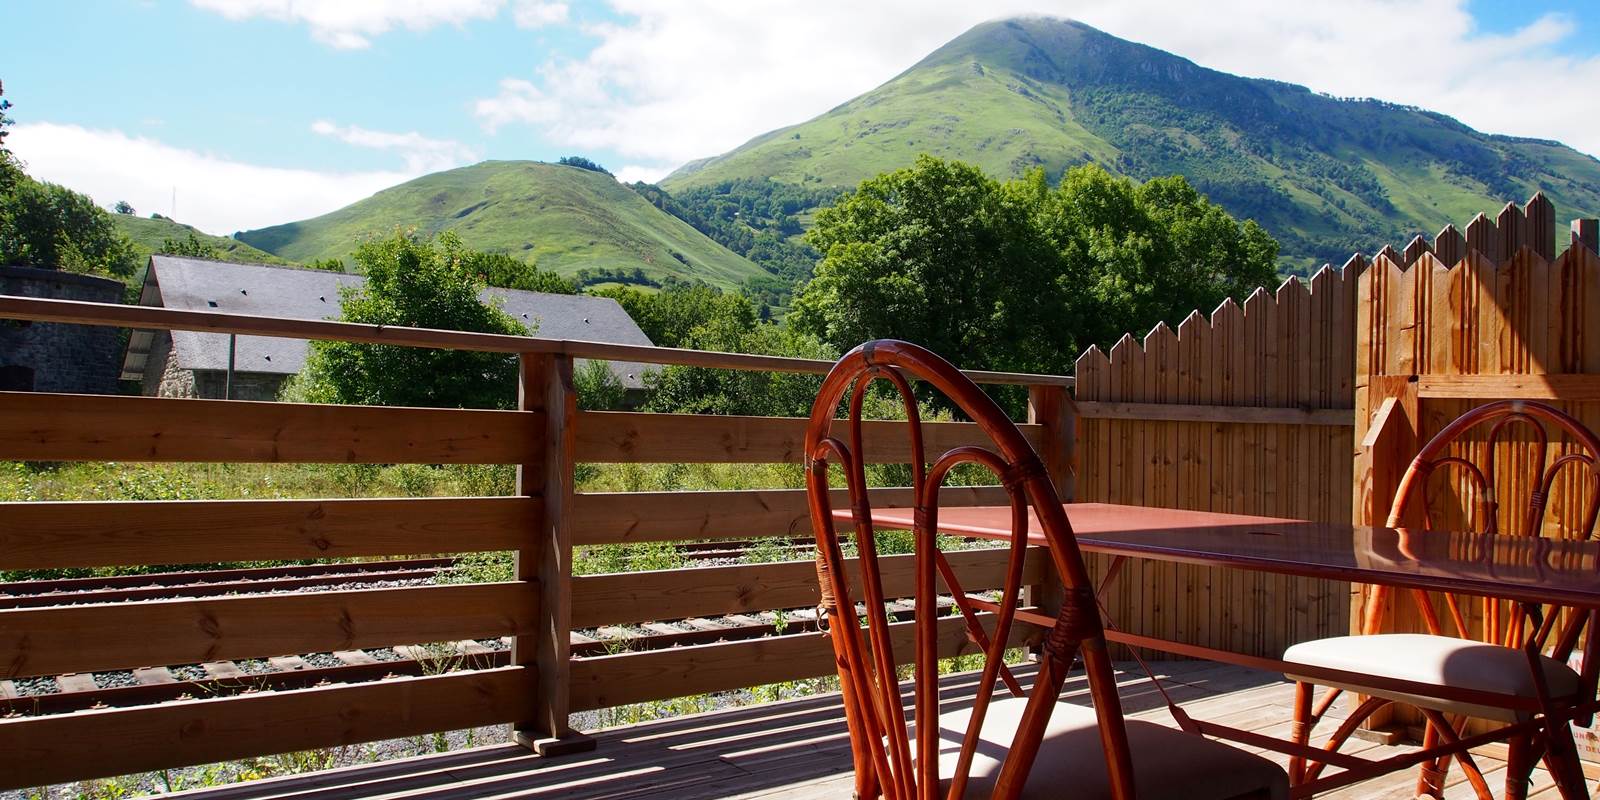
column 149, row 235
column 568, row 218
column 1326, row 176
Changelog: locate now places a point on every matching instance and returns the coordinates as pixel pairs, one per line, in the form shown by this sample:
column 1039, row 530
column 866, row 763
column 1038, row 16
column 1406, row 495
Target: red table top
column 1517, row 568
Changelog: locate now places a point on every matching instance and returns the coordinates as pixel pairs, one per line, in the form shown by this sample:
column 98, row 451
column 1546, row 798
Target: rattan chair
column 1508, row 649
column 1033, row 746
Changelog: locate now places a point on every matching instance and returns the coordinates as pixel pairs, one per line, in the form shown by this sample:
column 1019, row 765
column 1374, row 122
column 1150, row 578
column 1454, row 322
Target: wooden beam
column 607, row 681
column 125, row 316
column 1185, row 412
column 631, row 437
column 547, row 471
column 97, row 534
column 39, row 751
column 88, row 638
column 627, row 517
column 1563, row 387
column 744, row 588
column 72, row 427
column 1052, row 409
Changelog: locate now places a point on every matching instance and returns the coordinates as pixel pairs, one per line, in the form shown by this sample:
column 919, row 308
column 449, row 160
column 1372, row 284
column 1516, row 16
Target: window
column 16, row 379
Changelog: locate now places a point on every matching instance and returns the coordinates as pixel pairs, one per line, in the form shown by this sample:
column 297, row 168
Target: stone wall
column 48, row 357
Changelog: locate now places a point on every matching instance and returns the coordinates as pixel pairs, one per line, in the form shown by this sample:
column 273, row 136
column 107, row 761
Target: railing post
column 1052, row 407
column 545, row 388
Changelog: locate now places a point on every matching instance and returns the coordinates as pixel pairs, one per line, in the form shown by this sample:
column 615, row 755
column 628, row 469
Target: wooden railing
column 546, row 437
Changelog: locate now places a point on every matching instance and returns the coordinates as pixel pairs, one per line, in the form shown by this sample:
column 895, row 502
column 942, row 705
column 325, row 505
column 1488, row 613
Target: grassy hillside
column 149, row 234
column 565, row 217
column 1326, row 176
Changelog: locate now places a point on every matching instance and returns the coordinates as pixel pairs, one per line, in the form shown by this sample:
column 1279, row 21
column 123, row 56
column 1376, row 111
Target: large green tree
column 421, row 283
column 52, row 227
column 1020, row 275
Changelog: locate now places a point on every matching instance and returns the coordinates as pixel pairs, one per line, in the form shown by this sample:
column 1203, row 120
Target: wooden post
column 1587, row 233
column 547, row 473
column 1052, row 407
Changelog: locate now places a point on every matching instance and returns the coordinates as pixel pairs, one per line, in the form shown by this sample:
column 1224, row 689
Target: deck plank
column 794, row 750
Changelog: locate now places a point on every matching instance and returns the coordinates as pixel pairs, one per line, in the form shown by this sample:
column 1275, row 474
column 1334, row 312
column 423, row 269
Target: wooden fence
column 546, row 437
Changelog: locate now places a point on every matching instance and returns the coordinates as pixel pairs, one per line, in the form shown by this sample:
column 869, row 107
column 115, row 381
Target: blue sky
column 263, row 111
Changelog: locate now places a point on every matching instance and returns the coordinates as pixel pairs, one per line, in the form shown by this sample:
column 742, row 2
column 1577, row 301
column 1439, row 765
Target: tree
column 583, row 163
column 124, row 207
column 670, row 316
column 52, row 227
column 697, row 390
column 499, row 269
column 190, row 247
column 1020, row 276
column 423, row 283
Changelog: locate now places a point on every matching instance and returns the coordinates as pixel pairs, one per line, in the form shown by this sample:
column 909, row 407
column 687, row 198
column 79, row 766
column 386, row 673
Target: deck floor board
column 792, row 750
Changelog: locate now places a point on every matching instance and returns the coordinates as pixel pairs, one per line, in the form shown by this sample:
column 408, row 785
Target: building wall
column 62, row 358
column 246, row 385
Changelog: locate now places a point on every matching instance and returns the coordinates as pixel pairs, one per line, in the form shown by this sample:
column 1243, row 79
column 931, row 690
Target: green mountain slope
column 1326, row 176
column 149, row 235
column 565, row 217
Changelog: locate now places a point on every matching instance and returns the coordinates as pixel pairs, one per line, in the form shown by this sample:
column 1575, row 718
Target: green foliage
column 697, row 390
column 598, row 387
column 561, row 218
column 499, row 269
column 422, row 283
column 124, row 207
column 191, row 247
column 52, row 227
column 327, row 264
column 583, row 163
column 751, row 217
column 669, row 317
column 9, row 171
column 1019, row 276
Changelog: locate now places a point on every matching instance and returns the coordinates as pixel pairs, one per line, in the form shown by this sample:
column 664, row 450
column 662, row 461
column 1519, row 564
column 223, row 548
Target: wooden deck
column 794, row 749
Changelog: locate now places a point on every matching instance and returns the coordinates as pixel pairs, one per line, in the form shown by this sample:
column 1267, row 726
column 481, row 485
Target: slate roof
column 202, row 285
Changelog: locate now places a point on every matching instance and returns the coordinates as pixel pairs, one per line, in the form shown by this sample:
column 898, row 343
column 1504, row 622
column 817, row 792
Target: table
column 1528, row 570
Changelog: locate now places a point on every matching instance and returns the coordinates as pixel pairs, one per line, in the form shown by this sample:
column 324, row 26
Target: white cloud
column 537, row 14
column 421, row 154
column 682, row 79
column 215, row 194
column 632, row 173
column 351, row 24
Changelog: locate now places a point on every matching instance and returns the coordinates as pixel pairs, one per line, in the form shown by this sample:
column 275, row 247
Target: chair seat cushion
column 1436, row 660
column 1167, row 763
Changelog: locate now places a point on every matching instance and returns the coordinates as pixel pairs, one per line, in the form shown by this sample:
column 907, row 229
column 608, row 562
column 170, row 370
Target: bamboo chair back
column 1485, row 458
column 887, row 760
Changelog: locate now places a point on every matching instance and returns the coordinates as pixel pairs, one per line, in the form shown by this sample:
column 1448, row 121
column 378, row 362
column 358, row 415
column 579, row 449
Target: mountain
column 149, row 234
column 1327, row 176
column 569, row 219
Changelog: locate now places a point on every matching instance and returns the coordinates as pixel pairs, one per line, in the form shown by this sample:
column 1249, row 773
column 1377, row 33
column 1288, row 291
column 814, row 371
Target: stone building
column 194, row 364
column 49, row 357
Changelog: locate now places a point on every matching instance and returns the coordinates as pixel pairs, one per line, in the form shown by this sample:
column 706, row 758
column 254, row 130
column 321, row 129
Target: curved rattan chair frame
column 886, row 760
column 1529, row 628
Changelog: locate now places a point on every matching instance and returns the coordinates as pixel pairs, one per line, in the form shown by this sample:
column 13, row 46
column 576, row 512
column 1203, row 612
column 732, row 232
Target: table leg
column 1519, row 765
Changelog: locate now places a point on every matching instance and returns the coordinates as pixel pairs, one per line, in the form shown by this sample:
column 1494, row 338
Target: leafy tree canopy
column 499, row 269
column 583, row 163
column 191, row 247
column 124, row 207
column 671, row 316
column 423, row 283
column 1017, row 275
column 52, row 227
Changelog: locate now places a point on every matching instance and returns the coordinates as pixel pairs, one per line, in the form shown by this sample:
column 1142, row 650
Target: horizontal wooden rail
column 65, row 639
column 1571, row 387
column 100, row 534
column 38, row 751
column 82, row 313
column 632, row 437
column 626, row 517
column 714, row 591
column 1186, row 412
column 76, row 427
column 607, row 681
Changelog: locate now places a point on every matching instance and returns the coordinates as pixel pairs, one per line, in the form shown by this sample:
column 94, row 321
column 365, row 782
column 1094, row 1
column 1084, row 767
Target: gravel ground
column 323, row 660
column 384, row 654
column 495, row 644
column 31, row 687
column 114, row 680
column 255, row 666
column 188, row 672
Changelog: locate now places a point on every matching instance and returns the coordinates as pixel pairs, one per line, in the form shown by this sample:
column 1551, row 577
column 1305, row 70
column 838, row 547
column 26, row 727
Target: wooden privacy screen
column 1250, row 413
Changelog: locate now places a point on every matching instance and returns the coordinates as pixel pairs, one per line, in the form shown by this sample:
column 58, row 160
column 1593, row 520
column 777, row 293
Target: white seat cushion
column 1436, row 660
column 1167, row 763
